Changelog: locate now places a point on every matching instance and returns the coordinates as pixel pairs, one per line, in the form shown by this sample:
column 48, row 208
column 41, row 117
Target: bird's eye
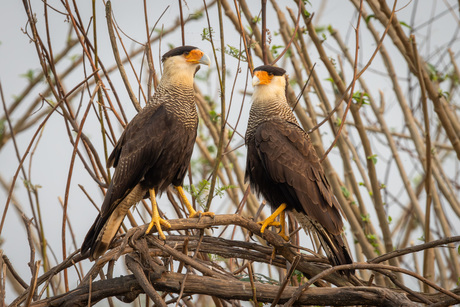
column 186, row 53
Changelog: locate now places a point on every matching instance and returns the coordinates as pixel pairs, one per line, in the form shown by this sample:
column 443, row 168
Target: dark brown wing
column 145, row 153
column 137, row 150
column 290, row 161
column 283, row 166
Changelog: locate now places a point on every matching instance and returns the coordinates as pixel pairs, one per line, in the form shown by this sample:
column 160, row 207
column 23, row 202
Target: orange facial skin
column 263, row 76
column 194, row 56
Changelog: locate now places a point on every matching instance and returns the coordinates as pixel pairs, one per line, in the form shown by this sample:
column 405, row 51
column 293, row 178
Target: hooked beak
column 255, row 80
column 205, row 60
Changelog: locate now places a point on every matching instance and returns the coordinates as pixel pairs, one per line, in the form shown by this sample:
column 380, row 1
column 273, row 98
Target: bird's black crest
column 276, row 71
column 177, row 51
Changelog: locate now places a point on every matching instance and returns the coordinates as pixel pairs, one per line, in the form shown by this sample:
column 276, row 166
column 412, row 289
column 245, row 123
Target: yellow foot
column 190, row 209
column 270, row 221
column 267, row 223
column 158, row 223
column 156, row 219
column 282, row 232
column 199, row 214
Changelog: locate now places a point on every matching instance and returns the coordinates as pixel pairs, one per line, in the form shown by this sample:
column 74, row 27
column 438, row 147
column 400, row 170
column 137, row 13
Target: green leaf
column 338, row 121
column 230, row 134
column 444, row 94
column 435, row 74
column 372, row 238
column 417, row 179
column 236, row 53
column 320, row 29
column 274, row 49
column 369, row 17
column 196, row 15
column 29, row 75
column 220, row 190
column 402, row 23
column 206, row 35
column 212, row 149
column 345, row 191
column 365, row 218
column 373, row 158
column 31, row 187
column 361, row 98
column 299, row 275
column 74, row 57
column 2, row 127
column 214, row 116
column 199, row 192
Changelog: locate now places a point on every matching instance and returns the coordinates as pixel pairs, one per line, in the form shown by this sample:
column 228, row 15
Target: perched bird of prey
column 283, row 166
column 153, row 152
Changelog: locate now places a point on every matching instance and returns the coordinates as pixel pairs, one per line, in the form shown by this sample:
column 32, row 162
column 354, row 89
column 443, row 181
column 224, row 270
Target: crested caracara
column 153, row 152
column 283, row 166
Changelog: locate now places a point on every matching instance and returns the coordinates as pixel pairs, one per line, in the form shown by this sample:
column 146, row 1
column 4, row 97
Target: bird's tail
column 107, row 223
column 336, row 248
column 100, row 235
column 334, row 245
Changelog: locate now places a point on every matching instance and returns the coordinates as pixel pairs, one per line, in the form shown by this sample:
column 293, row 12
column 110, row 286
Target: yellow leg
column 190, row 209
column 270, row 221
column 156, row 219
column 282, row 232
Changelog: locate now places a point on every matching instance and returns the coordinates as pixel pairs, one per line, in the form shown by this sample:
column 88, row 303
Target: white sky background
column 52, row 158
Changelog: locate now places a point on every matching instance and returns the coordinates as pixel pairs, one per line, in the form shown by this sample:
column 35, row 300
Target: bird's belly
column 270, row 190
column 275, row 193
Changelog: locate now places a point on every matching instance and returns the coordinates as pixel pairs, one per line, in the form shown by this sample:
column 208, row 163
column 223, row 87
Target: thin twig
column 292, row 37
column 121, row 68
column 366, row 266
column 182, row 23
column 428, row 263
column 222, row 77
column 286, row 280
column 58, row 104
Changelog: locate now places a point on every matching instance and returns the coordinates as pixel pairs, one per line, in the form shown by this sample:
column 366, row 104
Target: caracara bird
column 153, row 152
column 283, row 166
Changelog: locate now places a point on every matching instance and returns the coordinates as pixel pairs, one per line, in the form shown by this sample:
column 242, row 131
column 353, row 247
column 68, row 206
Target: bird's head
column 183, row 62
column 268, row 81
